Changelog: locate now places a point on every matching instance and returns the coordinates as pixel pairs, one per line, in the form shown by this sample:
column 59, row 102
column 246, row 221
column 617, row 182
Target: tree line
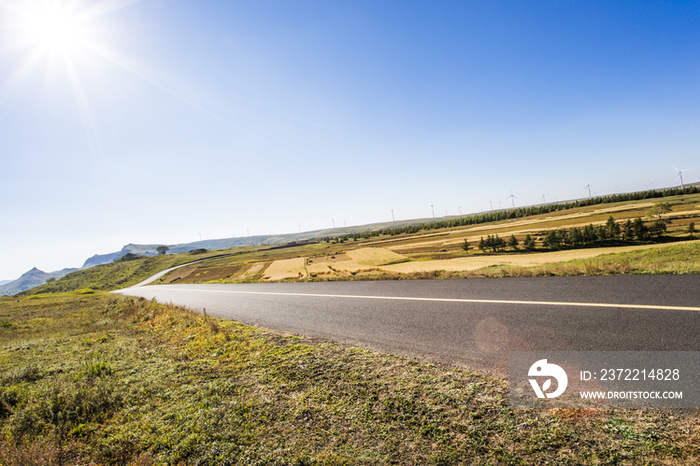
column 577, row 237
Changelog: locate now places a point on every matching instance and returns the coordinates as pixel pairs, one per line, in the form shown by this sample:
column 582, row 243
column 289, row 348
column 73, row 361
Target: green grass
column 102, row 379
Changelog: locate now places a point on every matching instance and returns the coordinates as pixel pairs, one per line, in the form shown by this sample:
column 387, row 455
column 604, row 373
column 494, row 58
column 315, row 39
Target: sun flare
column 55, row 27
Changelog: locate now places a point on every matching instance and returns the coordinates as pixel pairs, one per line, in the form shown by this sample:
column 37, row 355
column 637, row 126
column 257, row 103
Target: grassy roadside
column 102, row 379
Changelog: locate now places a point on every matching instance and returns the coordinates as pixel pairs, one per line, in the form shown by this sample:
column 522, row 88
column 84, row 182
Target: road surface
column 472, row 323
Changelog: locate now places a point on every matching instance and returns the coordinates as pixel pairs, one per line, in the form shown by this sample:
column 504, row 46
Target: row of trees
column 576, row 237
column 612, row 231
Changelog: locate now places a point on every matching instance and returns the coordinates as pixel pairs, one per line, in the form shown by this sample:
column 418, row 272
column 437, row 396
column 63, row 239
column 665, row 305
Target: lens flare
column 55, row 27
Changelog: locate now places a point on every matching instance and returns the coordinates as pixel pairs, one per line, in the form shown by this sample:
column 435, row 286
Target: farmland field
column 286, row 268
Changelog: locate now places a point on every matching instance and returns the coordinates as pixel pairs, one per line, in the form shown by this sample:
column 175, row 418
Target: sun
column 55, row 27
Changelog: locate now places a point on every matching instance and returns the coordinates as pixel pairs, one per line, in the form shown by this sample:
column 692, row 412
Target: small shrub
column 26, row 373
column 130, row 257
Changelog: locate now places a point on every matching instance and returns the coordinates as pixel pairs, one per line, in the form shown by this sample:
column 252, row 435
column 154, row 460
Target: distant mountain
column 150, row 249
column 5, row 282
column 99, row 259
column 214, row 244
column 31, row 279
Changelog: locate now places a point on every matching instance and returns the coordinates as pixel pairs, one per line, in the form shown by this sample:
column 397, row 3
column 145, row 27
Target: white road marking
column 448, row 300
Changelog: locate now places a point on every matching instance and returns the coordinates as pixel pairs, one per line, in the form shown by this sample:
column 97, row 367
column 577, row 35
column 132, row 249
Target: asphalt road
column 472, row 323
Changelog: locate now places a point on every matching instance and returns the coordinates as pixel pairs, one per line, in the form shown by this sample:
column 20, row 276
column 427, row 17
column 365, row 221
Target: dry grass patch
column 349, row 266
column 375, row 256
column 320, row 268
column 254, row 270
column 287, row 268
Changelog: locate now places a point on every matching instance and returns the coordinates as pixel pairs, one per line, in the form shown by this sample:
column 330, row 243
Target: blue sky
column 169, row 118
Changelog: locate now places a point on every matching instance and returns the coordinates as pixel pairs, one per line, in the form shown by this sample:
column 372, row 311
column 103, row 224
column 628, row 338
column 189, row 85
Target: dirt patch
column 176, row 276
column 319, row 268
column 327, row 259
column 204, row 274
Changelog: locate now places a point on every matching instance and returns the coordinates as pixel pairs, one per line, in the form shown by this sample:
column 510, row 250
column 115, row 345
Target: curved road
column 472, row 323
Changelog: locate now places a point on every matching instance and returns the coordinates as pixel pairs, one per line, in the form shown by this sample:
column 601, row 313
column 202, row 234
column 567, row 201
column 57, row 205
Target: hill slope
column 31, row 279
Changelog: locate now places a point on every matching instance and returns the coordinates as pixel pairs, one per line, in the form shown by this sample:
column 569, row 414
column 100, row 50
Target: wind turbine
column 544, row 201
column 512, row 198
column 589, row 190
column 680, row 175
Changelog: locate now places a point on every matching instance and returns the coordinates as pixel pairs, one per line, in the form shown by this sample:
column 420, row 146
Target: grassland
column 438, row 253
column 93, row 378
column 433, row 253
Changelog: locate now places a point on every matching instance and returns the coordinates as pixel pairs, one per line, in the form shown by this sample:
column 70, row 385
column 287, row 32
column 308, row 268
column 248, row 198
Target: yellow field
column 535, row 226
column 255, row 269
column 523, row 260
column 319, row 268
column 349, row 266
column 374, row 256
column 286, row 268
